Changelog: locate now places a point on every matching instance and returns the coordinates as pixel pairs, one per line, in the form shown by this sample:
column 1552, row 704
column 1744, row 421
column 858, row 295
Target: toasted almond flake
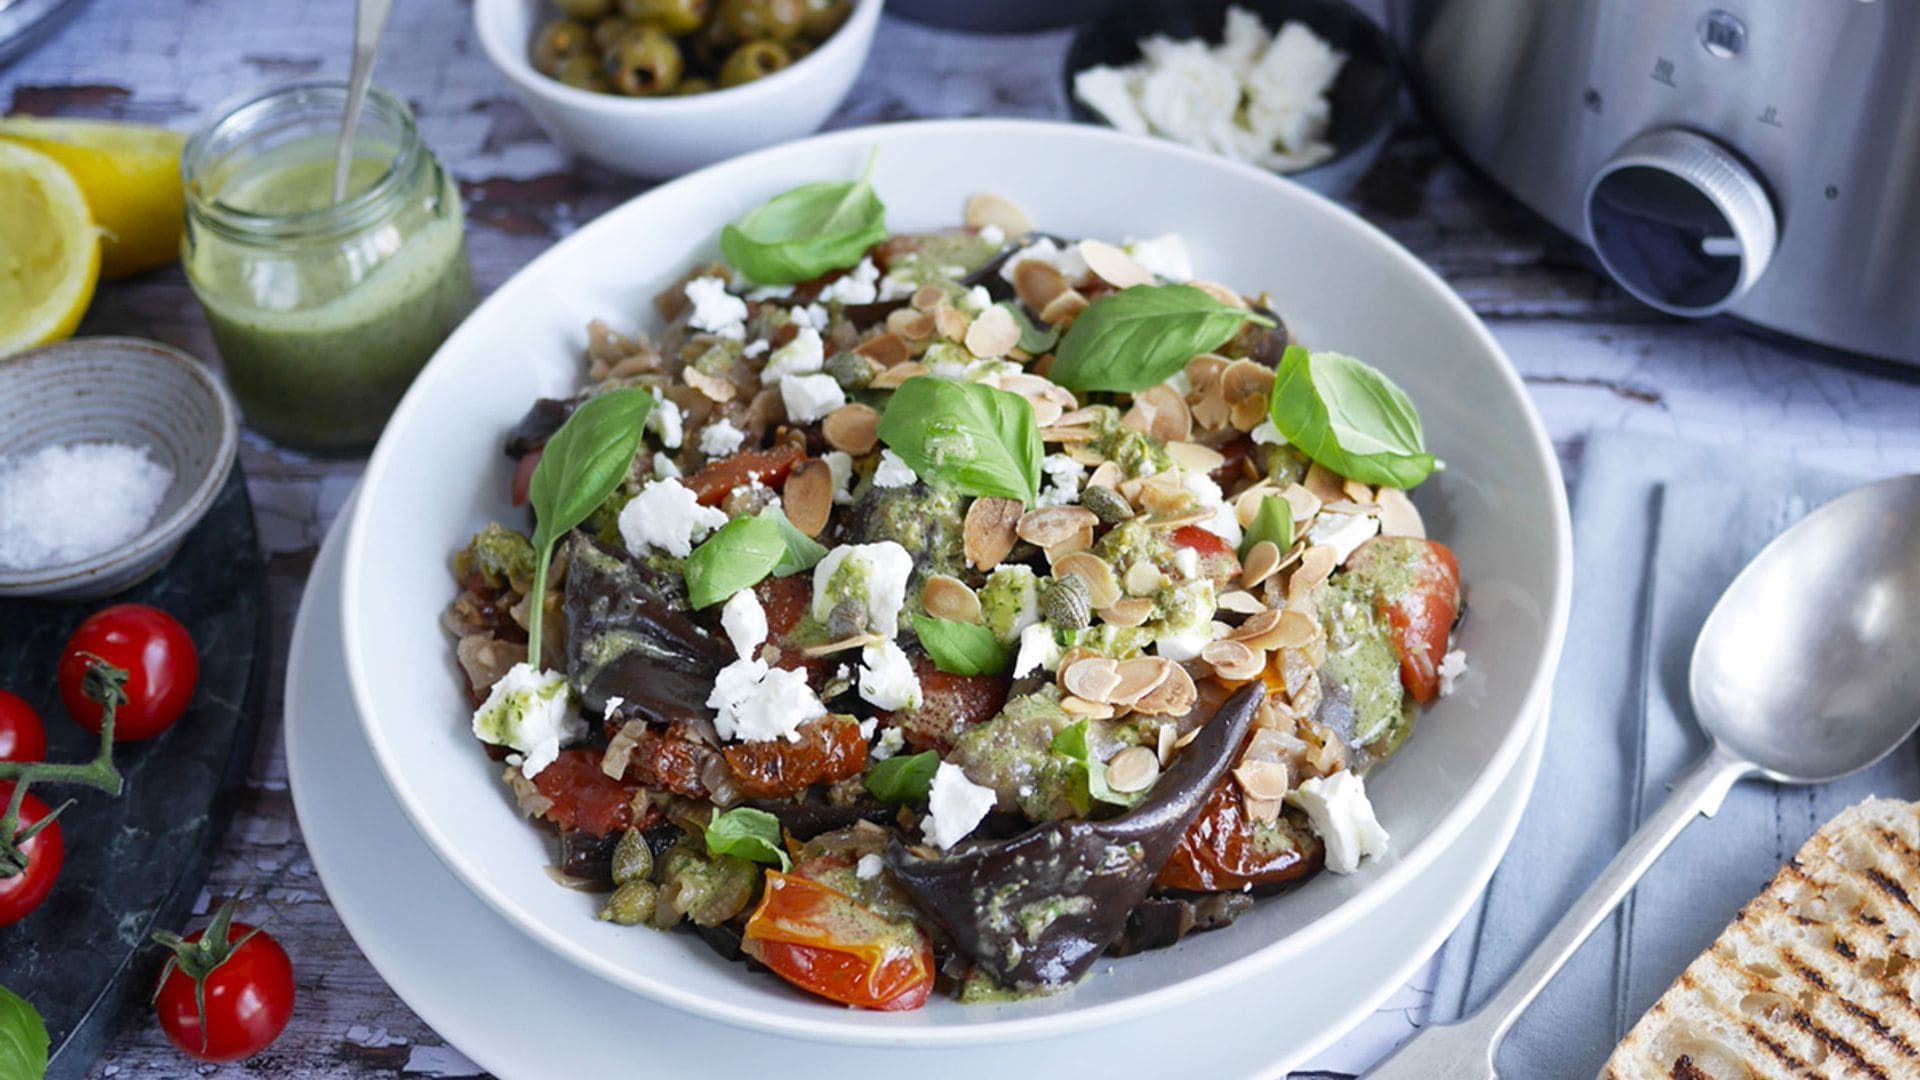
column 1168, row 418
column 1348, row 506
column 1247, row 413
column 1081, row 540
column 1263, row 811
column 1205, row 372
column 853, row 428
column 1051, row 525
column 1102, row 589
column 1219, row 292
column 1182, row 741
column 1079, row 417
column 1139, row 677
column 1240, row 602
column 1060, row 312
column 1263, row 560
column 1195, row 458
column 1143, row 579
column 1297, row 631
column 1262, row 779
column 1108, row 475
column 1092, row 710
column 1232, row 660
column 1161, row 492
column 1113, row 266
column 951, row 322
column 1175, row 697
column 807, row 496
column 1245, row 379
column 1039, row 283
column 1133, row 769
column 1305, row 503
column 1267, row 746
column 885, row 350
column 1068, row 659
column 1212, row 413
column 1359, row 492
column 1246, row 505
column 987, row 209
column 989, row 531
column 714, row 387
column 1063, row 433
column 909, row 324
column 1132, row 611
column 857, row 641
column 1164, row 744
column 1049, row 399
column 1093, row 678
column 1315, row 564
column 1179, row 519
column 1325, row 483
column 1398, row 515
column 1257, row 628
column 994, row 333
column 928, row 297
column 1083, row 452
column 891, row 378
column 949, row 598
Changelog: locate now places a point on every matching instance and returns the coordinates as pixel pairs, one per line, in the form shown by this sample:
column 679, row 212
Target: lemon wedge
column 130, row 174
column 49, row 250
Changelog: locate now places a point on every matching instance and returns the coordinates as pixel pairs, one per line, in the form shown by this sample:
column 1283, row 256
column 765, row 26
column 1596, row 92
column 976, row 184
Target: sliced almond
column 1246, row 505
column 1133, row 769
column 1262, row 779
column 1063, row 309
column 1079, row 541
column 1256, row 630
column 1171, row 420
column 1113, row 266
column 1359, row 492
column 989, row 531
column 1159, row 492
column 1052, row 525
column 949, row 598
column 1212, row 412
column 1247, row 413
column 1092, row 710
column 1070, row 658
column 891, row 378
column 1263, row 811
column 1108, row 475
column 1180, row 519
column 909, row 324
column 994, row 333
column 1205, row 372
column 1175, row 697
column 1297, row 631
column 1039, row 283
column 1316, row 563
column 1240, row 602
column 1143, row 579
column 1080, row 417
column 1093, row 678
column 1139, row 677
column 1326, row 483
column 1165, row 744
column 951, row 322
column 807, row 496
column 1219, row 292
column 1263, row 560
column 1049, row 399
column 853, row 427
column 714, row 387
column 1132, row 611
column 927, row 297
column 1195, row 458
column 885, row 350
column 857, row 641
column 987, row 209
column 1102, row 589
column 1068, row 434
column 1398, row 515
column 1233, row 661
column 1083, row 452
column 1245, row 379
column 1305, row 503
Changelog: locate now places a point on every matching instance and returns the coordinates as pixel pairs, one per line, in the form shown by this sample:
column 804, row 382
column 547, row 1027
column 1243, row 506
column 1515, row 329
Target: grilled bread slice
column 1819, row 976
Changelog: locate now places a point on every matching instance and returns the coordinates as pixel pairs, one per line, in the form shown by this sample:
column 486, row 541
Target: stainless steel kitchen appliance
column 1755, row 157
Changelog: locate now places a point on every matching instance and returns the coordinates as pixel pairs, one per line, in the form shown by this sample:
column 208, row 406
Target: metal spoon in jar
column 369, row 22
column 1804, row 673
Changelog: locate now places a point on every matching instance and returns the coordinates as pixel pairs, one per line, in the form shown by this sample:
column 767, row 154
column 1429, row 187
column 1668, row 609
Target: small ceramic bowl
column 124, row 390
column 1365, row 97
column 666, row 136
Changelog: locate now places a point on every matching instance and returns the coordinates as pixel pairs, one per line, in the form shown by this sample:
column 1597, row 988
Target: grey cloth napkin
column 1660, row 528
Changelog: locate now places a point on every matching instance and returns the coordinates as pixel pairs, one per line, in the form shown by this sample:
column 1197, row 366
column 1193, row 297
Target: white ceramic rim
column 165, row 532
column 510, row 58
column 1390, row 879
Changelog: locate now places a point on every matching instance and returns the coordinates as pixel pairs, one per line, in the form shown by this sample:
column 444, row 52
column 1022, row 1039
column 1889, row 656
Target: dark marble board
column 135, row 864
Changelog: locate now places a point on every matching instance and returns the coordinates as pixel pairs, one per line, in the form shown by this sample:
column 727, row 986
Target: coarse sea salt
column 62, row 504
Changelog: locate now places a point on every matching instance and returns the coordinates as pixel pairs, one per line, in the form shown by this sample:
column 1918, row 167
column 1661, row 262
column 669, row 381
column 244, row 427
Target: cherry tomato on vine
column 22, row 737
column 21, row 893
column 158, row 656
column 248, row 991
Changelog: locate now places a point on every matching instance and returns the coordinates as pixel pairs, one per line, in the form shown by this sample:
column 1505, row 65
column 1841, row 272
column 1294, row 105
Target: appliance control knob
column 1680, row 222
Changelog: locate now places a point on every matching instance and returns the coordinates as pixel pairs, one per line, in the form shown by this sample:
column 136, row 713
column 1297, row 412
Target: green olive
column 752, row 61
column 823, row 17
column 583, row 73
column 673, row 16
column 696, row 85
column 631, row 904
column 645, row 64
column 632, row 858
column 762, row 20
column 558, row 40
column 609, row 32
column 583, row 9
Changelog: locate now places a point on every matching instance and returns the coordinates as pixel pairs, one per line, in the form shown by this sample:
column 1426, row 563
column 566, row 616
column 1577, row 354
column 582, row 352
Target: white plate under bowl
column 435, row 943
column 438, row 475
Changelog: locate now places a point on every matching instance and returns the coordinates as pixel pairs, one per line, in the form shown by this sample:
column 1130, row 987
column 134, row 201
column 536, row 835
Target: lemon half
column 130, row 174
column 49, row 250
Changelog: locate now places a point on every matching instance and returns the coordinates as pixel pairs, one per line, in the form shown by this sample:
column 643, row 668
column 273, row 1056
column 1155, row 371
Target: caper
column 847, row 619
column 645, row 63
column 1067, row 604
column 850, row 370
column 823, row 17
column 584, row 9
column 608, row 33
column 557, row 41
column 1107, row 504
column 754, row 60
column 632, row 903
column 673, row 16
column 583, row 73
column 632, row 858
column 762, row 20
column 696, row 86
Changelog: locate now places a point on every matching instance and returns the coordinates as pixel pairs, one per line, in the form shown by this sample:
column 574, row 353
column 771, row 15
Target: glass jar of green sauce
column 323, row 312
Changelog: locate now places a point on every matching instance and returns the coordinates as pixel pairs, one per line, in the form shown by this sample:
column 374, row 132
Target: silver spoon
column 1803, row 673
column 369, row 22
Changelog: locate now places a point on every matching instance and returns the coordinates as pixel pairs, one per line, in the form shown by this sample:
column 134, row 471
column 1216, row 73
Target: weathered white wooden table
column 1591, row 357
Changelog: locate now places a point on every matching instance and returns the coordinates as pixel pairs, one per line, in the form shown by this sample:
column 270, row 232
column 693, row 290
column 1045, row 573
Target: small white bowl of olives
column 657, row 88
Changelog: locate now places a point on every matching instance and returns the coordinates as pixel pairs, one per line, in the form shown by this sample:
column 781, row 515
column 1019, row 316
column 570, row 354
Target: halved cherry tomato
column 1217, row 560
column 22, row 736
column 817, row 938
column 523, row 475
column 584, row 797
column 249, row 999
column 45, row 851
column 152, row 648
column 712, row 483
column 1220, row 852
column 1422, row 612
column 949, row 704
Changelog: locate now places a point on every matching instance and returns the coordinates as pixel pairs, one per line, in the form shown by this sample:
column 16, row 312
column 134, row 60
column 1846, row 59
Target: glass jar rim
column 234, row 118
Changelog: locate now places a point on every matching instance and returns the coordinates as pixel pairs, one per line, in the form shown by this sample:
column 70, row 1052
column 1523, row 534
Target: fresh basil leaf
column 903, row 778
column 802, row 551
column 803, row 233
column 959, row 648
column 1350, row 418
column 1273, row 521
column 1034, row 339
column 581, row 465
column 746, row 833
column 966, row 436
column 1089, row 777
column 1138, row 337
column 744, row 552
column 23, row 1039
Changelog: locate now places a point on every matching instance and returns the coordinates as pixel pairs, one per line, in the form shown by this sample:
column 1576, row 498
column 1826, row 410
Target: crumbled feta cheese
column 1452, row 666
column 1338, row 809
column 1185, row 643
column 667, row 515
column 1224, row 523
column 804, row 355
column 1165, row 257
column 892, row 472
column 1342, row 532
column 1010, row 601
column 859, row 285
column 874, row 575
column 1039, row 651
column 1287, row 96
column 898, row 286
column 891, row 741
column 756, row 348
column 721, row 438
column 716, row 310
column 1109, row 91
column 993, row 234
column 755, row 703
column 811, row 316
column 667, row 421
column 975, row 300
column 1064, row 476
column 955, row 806
column 887, row 680
column 1187, row 561
column 612, row 706
column 1066, row 260
column 869, row 866
column 530, row 711
column 840, row 470
column 769, row 292
column 810, row 397
column 1265, row 434
column 745, row 622
column 664, row 468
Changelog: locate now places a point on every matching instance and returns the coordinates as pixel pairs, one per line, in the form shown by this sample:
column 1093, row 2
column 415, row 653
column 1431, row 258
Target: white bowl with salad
column 962, row 583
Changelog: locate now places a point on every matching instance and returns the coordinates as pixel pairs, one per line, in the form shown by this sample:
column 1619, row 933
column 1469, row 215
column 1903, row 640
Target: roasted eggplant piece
column 628, row 636
column 1036, row 911
column 1161, row 921
column 539, row 425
